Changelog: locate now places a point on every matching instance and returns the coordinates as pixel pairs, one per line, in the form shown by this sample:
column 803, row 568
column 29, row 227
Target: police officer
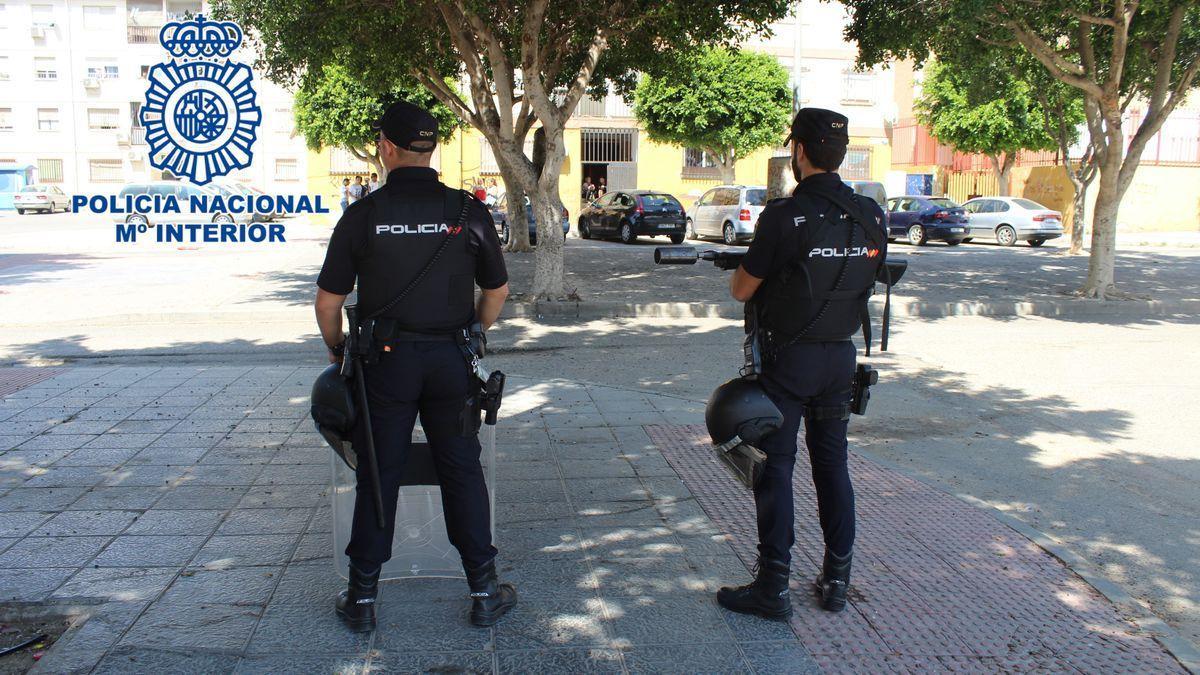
column 808, row 274
column 385, row 241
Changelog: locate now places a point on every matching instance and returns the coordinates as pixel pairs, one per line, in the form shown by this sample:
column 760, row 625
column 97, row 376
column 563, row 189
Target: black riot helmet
column 333, row 412
column 740, row 411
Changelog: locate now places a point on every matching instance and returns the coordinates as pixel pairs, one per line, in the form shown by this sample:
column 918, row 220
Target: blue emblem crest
column 200, row 115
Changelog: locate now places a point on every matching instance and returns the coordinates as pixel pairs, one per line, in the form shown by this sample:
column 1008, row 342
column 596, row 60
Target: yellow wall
column 660, row 167
column 1161, row 198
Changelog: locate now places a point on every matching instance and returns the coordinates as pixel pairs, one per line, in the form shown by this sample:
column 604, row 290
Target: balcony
column 137, row 136
column 142, row 35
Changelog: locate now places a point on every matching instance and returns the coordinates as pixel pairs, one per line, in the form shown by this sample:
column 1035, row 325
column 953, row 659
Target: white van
column 727, row 211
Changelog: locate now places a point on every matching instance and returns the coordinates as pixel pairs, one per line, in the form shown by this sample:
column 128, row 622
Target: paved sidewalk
column 181, row 517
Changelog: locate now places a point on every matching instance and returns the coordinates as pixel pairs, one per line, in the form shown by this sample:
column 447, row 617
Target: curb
column 1179, row 647
column 607, row 309
column 611, row 309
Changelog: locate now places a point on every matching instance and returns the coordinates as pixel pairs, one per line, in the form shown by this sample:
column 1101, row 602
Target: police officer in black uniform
column 385, row 241
column 808, row 275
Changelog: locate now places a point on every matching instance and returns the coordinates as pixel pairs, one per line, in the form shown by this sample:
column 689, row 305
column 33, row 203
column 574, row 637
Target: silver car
column 183, row 192
column 1007, row 220
column 728, row 212
column 38, row 197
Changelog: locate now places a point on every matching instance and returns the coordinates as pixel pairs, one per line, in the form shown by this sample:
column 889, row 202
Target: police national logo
column 200, row 115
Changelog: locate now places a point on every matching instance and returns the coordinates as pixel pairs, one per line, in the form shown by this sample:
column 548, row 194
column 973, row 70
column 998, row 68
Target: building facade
column 73, row 77
column 603, row 139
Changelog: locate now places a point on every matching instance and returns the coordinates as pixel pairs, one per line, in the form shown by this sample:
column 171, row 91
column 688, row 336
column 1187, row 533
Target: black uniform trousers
column 817, row 374
column 434, row 380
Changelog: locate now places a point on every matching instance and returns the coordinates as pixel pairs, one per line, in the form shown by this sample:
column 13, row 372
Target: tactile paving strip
column 13, row 380
column 938, row 585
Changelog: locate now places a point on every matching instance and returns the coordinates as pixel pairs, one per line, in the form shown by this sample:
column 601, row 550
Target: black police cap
column 409, row 127
column 817, row 125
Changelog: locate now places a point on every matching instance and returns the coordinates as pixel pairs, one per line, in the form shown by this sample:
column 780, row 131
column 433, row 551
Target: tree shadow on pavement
column 1064, row 469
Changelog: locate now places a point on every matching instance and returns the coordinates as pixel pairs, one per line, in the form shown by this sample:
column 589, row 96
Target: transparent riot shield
column 420, row 547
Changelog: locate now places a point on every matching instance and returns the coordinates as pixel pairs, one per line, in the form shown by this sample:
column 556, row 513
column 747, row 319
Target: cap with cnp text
column 817, row 125
column 409, row 127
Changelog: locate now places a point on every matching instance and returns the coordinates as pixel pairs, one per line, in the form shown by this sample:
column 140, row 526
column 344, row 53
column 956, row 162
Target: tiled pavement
column 184, row 514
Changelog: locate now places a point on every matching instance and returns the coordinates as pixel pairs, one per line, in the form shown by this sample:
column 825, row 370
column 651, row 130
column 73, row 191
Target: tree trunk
column 515, row 193
column 728, row 172
column 1003, row 170
column 548, row 271
column 1101, row 281
column 1078, row 210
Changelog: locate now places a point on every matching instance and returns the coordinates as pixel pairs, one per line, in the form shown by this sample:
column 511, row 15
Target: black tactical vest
column 821, row 295
column 405, row 232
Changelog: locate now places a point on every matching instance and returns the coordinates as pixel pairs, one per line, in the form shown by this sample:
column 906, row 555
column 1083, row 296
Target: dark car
column 919, row 219
column 632, row 213
column 500, row 216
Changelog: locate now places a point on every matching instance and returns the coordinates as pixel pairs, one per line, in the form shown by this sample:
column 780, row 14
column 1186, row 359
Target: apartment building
column 73, row 77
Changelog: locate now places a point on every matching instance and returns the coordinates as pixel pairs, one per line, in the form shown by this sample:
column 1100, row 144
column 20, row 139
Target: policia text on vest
column 806, row 280
column 415, row 250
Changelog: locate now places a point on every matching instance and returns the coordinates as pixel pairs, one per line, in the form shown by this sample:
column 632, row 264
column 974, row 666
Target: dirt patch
column 17, row 630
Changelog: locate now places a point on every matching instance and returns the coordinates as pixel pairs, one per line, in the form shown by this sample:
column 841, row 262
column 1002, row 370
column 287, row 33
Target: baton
column 372, row 462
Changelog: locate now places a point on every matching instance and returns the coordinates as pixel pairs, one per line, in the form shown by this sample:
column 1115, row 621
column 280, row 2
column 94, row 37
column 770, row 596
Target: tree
column 522, row 62
column 334, row 109
column 997, row 119
column 727, row 103
column 1113, row 53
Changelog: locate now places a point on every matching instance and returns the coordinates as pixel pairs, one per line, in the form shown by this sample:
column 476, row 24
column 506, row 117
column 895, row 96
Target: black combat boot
column 356, row 604
column 834, row 581
column 490, row 599
column 767, row 596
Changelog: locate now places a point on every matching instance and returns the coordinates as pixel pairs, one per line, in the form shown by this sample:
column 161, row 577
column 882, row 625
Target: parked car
column 39, row 197
column 500, row 217
column 1007, row 220
column 228, row 190
column 870, row 188
column 183, row 193
column 920, row 219
column 727, row 211
column 629, row 214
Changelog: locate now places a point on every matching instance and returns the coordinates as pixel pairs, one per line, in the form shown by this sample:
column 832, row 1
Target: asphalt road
column 1079, row 426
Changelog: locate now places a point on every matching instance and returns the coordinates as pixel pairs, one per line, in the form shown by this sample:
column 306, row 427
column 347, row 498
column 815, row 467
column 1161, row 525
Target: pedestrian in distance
column 374, row 184
column 493, row 193
column 416, row 249
column 808, row 275
column 345, row 194
column 601, row 188
column 357, row 190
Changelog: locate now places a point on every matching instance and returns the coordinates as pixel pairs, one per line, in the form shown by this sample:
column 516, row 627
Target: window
column 47, row 119
column 6, row 119
column 45, row 68
column 43, row 15
column 707, row 199
column 106, row 171
column 858, row 88
column 857, row 165
column 283, row 121
column 3, row 69
column 756, row 197
column 100, row 119
column 99, row 17
column 287, row 169
column 103, row 70
column 50, row 170
column 145, row 72
column 699, row 164
column 1030, row 204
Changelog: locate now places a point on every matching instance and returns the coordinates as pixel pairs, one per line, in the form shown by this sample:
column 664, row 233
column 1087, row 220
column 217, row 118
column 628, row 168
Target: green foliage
column 717, row 99
column 999, row 114
column 335, row 109
column 383, row 41
column 958, row 30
